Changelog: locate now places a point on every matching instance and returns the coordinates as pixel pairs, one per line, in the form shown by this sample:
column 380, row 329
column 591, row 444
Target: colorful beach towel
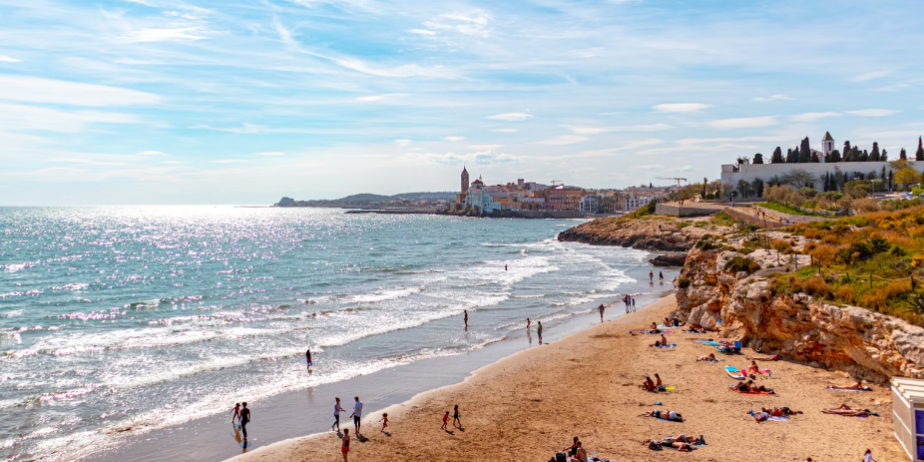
column 708, row 342
column 672, row 345
column 778, row 418
column 848, row 389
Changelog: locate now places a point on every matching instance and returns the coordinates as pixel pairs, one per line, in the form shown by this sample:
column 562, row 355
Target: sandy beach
column 530, row 404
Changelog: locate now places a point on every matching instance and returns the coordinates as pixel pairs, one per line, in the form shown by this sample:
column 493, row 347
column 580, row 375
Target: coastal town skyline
column 200, row 102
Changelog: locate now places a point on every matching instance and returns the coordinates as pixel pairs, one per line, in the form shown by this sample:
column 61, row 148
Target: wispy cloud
column 272, row 154
column 402, row 142
column 873, row 112
column 773, row 98
column 743, row 122
column 871, row 76
column 627, row 147
column 165, row 35
column 512, row 116
column 589, row 130
column 8, row 59
column 474, row 23
column 564, row 139
column 422, row 32
column 505, row 130
column 375, row 98
column 151, row 153
column 41, row 90
column 680, row 107
column 230, row 161
column 812, row 116
column 454, row 138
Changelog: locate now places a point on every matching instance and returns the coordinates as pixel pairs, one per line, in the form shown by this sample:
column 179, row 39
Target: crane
column 678, row 180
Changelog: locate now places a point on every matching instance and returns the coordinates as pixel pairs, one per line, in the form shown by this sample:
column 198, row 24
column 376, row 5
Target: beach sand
column 530, row 404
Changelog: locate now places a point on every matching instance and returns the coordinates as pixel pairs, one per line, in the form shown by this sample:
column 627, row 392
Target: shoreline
column 527, row 405
column 397, row 410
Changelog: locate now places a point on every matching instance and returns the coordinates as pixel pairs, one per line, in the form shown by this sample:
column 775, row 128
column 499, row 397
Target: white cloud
column 584, row 130
column 681, row 107
column 272, row 153
column 743, row 122
column 151, row 153
column 484, row 147
column 230, row 161
column 422, row 32
column 627, row 147
column 473, row 24
column 39, row 90
column 512, row 116
column 374, row 98
column 812, row 116
column 873, row 112
column 8, row 59
column 697, row 148
column 174, row 162
column 403, row 142
column 165, row 35
column 406, row 70
column 871, row 76
column 565, row 139
column 19, row 117
column 773, row 98
column 505, row 130
column 454, row 138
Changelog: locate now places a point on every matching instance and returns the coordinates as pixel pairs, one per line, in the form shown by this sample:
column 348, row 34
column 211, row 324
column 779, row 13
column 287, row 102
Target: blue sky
column 166, row 101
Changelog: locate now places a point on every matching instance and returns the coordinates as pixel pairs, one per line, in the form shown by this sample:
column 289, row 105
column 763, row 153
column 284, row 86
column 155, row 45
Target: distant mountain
column 413, row 196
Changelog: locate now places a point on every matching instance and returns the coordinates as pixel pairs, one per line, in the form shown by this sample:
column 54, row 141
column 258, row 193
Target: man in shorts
column 357, row 413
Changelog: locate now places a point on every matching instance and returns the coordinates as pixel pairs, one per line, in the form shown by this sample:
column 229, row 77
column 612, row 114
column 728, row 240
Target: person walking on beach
column 245, row 419
column 661, row 277
column 868, row 457
column 539, row 330
column 466, row 318
column 357, row 414
column 345, row 444
column 337, row 411
column 384, row 421
column 308, row 358
column 456, row 417
column 236, row 412
column 601, row 308
column 445, row 421
column 633, row 304
column 527, row 323
column 651, row 276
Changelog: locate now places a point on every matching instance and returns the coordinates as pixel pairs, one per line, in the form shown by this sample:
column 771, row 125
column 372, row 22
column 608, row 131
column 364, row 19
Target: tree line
column 802, row 154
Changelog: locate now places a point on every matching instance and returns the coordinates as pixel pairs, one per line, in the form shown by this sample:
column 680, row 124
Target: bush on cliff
column 683, row 283
column 745, row 264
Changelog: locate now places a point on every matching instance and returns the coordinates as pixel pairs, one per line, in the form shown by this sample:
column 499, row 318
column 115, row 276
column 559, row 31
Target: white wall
column 750, row 172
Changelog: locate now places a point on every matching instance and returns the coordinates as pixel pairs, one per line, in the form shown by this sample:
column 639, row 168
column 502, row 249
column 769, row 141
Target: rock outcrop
column 669, row 259
column 866, row 344
column 660, row 234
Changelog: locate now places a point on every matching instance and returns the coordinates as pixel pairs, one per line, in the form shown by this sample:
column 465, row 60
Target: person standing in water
column 505, row 267
column 337, row 411
column 308, row 358
column 539, row 330
column 651, row 276
column 357, row 414
column 245, row 419
column 527, row 323
column 661, row 277
column 601, row 308
column 633, row 304
column 236, row 412
column 456, row 416
column 466, row 318
column 345, row 444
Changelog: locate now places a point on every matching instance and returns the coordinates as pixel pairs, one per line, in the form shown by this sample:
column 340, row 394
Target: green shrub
column 879, row 244
column 745, row 264
column 683, row 283
column 897, row 251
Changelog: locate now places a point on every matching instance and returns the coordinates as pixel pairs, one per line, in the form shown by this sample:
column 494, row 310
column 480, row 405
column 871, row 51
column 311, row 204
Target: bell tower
column 464, row 180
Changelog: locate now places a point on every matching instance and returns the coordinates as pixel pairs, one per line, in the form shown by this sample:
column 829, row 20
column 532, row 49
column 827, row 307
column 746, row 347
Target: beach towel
column 670, row 420
column 672, row 345
column 778, row 418
column 735, row 373
column 708, row 342
column 848, row 389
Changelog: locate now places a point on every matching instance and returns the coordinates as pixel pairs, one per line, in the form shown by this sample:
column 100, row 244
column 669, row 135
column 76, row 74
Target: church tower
column 464, row 180
column 827, row 144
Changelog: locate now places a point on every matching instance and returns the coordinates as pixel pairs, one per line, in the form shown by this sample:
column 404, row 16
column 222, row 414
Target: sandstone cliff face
column 866, row 344
column 662, row 234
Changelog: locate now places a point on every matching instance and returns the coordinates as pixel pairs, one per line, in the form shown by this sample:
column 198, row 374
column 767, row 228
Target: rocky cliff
column 866, row 344
column 655, row 233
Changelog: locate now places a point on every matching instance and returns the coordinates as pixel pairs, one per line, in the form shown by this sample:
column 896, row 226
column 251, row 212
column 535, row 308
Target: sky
column 243, row 102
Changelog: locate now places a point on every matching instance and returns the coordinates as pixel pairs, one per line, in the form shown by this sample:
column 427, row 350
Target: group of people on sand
column 751, row 387
column 241, row 414
column 652, row 386
column 456, row 419
column 357, row 424
column 630, row 303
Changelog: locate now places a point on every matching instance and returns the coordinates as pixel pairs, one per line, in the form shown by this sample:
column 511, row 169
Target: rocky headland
column 649, row 233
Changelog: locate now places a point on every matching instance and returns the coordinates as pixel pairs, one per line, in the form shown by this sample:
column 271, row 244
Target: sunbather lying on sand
column 667, row 415
column 765, row 358
column 780, row 411
column 856, row 386
column 657, row 445
column 846, row 410
column 696, row 330
column 750, row 387
column 654, row 329
column 754, row 370
column 710, row 358
column 760, row 416
column 685, row 439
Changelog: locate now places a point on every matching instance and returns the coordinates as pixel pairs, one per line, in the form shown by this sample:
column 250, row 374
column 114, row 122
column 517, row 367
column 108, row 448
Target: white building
column 588, row 204
column 478, row 198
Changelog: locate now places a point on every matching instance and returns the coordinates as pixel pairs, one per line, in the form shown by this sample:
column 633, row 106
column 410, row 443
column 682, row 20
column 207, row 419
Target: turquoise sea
column 147, row 317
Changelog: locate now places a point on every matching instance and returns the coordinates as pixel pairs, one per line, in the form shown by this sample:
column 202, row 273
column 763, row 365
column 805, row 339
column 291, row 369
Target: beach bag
column 561, row 457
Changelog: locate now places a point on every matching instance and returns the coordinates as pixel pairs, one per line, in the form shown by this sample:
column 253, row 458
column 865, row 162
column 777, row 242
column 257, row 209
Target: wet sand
column 528, row 405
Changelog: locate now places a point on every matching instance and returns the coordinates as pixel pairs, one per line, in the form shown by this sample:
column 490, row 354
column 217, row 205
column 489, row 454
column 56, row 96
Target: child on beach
column 539, row 330
column 236, row 412
column 445, row 421
column 456, row 416
column 384, row 421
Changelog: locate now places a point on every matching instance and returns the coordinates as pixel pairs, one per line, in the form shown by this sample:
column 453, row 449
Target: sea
column 116, row 318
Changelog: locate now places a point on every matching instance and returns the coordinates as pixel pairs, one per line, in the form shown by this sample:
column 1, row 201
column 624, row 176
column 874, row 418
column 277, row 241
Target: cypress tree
column 835, row 156
column 902, row 155
column 805, row 151
column 885, row 156
column 777, row 156
column 792, row 157
column 919, row 154
column 874, row 156
column 846, row 149
column 758, row 159
column 864, row 156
